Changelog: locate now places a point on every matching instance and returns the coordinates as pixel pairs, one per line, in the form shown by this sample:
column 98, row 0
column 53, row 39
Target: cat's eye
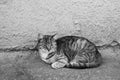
column 50, row 55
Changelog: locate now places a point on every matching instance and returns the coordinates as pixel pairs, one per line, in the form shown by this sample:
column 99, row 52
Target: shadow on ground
column 27, row 65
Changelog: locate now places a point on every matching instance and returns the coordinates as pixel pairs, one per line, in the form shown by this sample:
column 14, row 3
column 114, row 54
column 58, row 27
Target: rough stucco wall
column 22, row 20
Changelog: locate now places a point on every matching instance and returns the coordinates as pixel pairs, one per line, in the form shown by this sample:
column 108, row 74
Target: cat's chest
column 45, row 56
column 43, row 53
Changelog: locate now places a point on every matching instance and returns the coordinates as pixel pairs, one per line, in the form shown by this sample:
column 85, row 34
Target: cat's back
column 66, row 39
column 74, row 42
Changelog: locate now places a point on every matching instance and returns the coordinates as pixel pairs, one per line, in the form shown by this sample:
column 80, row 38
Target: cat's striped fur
column 68, row 51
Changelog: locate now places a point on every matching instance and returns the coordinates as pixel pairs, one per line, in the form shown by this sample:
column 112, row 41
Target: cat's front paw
column 57, row 65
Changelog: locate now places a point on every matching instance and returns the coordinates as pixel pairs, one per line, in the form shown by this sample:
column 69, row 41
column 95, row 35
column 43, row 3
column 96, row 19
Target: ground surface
column 28, row 66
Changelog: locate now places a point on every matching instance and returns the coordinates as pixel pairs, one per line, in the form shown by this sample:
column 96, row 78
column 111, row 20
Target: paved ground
column 28, row 66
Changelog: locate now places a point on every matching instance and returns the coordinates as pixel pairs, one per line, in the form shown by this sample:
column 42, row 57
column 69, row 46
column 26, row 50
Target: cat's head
column 46, row 46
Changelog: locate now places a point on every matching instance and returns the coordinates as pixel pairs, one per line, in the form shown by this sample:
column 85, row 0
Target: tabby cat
column 68, row 51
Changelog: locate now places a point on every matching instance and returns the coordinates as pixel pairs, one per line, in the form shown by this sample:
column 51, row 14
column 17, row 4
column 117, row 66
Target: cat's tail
column 99, row 58
column 97, row 62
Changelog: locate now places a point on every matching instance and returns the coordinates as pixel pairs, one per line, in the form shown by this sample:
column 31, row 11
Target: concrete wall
column 22, row 20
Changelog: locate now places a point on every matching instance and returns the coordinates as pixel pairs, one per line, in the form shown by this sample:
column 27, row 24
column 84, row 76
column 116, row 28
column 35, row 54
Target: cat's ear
column 54, row 36
column 40, row 36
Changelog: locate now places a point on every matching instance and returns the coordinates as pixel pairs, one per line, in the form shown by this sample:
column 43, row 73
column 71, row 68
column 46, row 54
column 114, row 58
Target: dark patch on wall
column 4, row 2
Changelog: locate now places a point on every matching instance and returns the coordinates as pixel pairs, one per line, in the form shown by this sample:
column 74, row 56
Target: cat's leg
column 59, row 64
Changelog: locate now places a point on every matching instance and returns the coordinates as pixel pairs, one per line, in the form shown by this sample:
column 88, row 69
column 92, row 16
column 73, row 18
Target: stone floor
column 28, row 66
